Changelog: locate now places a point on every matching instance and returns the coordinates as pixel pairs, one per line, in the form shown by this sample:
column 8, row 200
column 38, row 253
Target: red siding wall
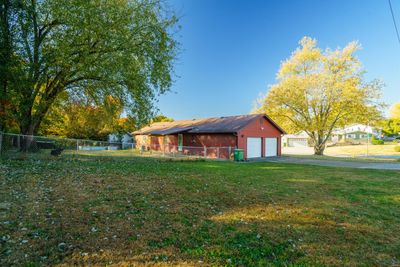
column 157, row 142
column 209, row 140
column 193, row 144
column 259, row 128
column 218, row 145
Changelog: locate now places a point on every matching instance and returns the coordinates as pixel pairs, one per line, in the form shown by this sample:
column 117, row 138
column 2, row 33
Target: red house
column 256, row 134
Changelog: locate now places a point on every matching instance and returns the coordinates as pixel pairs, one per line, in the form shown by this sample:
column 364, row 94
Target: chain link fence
column 18, row 145
column 188, row 151
column 22, row 146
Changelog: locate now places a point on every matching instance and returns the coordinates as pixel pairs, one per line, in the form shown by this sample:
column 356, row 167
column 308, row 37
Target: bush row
column 377, row 142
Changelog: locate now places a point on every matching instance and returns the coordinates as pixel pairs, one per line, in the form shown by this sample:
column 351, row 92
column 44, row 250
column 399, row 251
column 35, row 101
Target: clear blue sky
column 231, row 50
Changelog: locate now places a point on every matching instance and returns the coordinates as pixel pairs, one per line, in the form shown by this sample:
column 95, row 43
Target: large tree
column 7, row 15
column 90, row 49
column 319, row 90
column 395, row 111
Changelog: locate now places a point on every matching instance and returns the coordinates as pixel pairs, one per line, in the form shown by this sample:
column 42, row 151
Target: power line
column 394, row 21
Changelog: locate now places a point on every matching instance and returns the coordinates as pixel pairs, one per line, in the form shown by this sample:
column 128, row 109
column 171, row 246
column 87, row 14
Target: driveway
column 337, row 163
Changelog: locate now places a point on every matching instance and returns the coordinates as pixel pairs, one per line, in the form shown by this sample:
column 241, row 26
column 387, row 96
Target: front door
column 180, row 142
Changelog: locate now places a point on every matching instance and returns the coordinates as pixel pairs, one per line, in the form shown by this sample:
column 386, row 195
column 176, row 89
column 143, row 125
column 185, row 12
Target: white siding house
column 295, row 140
column 126, row 140
column 355, row 132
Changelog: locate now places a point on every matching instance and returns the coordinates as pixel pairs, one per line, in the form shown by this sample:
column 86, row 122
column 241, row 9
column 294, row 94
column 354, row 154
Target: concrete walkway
column 337, row 163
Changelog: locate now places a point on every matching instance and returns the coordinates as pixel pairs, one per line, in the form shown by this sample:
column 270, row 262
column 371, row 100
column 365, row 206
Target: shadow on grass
column 151, row 212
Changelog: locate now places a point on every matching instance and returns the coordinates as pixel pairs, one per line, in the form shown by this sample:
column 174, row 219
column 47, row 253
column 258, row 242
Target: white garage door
column 253, row 147
column 271, row 147
column 297, row 142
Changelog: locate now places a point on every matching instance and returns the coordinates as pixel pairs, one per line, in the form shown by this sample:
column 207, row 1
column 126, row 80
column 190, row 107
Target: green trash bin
column 238, row 155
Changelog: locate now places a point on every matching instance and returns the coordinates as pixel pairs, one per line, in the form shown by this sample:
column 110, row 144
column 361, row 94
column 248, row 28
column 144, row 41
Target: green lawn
column 357, row 150
column 99, row 210
column 375, row 152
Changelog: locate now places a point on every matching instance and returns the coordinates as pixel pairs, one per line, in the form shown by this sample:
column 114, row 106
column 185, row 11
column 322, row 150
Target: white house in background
column 355, row 132
column 295, row 140
column 126, row 140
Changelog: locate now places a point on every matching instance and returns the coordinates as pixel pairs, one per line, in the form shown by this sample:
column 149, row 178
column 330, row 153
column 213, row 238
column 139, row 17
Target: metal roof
column 230, row 124
column 170, row 130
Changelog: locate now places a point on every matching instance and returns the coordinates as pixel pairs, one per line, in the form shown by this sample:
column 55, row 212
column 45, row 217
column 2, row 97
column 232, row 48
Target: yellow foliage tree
column 395, row 111
column 86, row 120
column 318, row 91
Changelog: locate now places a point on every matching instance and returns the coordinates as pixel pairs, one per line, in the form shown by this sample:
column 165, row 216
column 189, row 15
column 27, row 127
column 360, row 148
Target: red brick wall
column 156, row 142
column 259, row 128
column 209, row 140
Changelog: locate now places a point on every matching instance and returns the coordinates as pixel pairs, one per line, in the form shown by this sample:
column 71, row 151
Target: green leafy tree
column 395, row 111
column 7, row 59
column 391, row 125
column 320, row 90
column 80, row 120
column 90, row 49
column 161, row 118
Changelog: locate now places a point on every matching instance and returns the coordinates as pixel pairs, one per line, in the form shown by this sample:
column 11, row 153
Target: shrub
column 377, row 142
column 397, row 148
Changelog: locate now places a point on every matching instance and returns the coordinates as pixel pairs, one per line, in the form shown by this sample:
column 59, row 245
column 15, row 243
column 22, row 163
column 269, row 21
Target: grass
column 336, row 158
column 126, row 210
column 358, row 150
column 376, row 153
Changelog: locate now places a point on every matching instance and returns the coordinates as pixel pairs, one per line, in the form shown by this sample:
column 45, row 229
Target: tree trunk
column 3, row 102
column 27, row 138
column 1, row 143
column 319, row 149
column 319, row 144
column 28, row 130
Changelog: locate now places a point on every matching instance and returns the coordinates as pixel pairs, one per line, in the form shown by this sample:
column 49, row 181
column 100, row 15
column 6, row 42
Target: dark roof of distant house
column 230, row 124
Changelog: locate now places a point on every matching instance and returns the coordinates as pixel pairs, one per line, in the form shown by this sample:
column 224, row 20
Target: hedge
column 377, row 142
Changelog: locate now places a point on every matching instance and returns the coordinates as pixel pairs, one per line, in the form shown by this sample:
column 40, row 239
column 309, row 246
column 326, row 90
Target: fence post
column 77, row 144
column 205, row 151
column 217, row 152
column 229, row 152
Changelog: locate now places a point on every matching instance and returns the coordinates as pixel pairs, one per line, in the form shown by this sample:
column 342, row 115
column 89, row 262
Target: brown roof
column 230, row 124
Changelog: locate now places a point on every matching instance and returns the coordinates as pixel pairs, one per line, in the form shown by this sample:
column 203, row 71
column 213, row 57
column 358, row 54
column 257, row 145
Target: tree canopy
column 89, row 49
column 319, row 90
column 161, row 118
column 391, row 126
column 395, row 111
column 76, row 119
